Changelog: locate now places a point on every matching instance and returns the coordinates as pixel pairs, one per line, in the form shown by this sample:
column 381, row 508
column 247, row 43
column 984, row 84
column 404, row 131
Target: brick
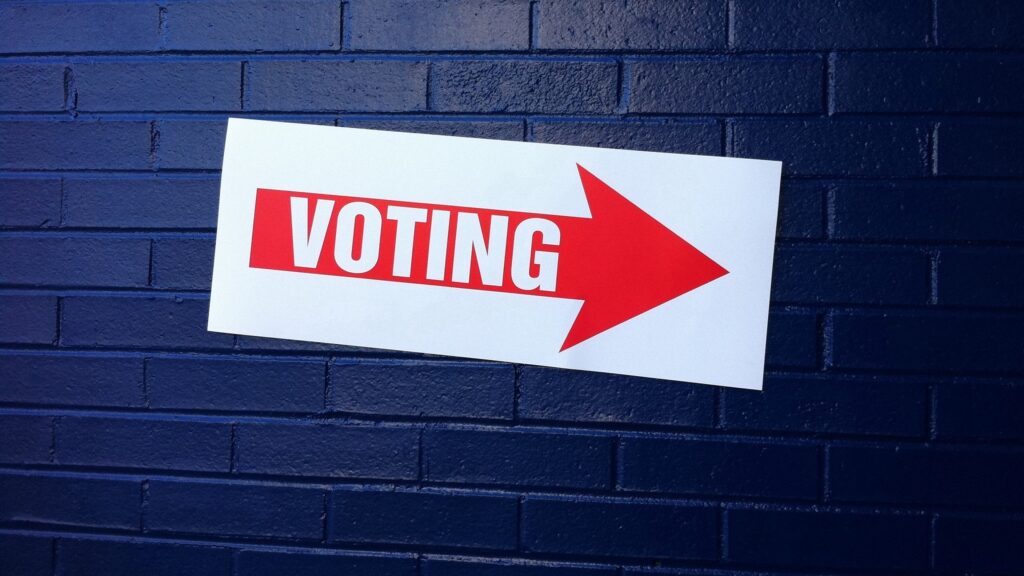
column 615, row 529
column 191, row 144
column 421, row 518
column 28, row 319
column 31, row 203
column 235, row 509
column 26, row 555
column 813, row 25
column 979, row 545
column 680, row 137
column 70, row 501
column 865, row 405
column 182, row 263
column 235, row 384
column 436, row 26
column 322, row 563
column 801, row 210
column 748, row 85
column 979, row 409
column 634, row 25
column 178, row 203
column 328, row 450
column 835, row 147
column 339, row 86
column 446, row 567
column 75, row 261
column 131, row 86
column 260, row 26
column 31, row 87
column 792, row 340
column 71, row 379
column 255, row 343
column 841, row 275
column 576, row 396
column 920, row 83
column 430, row 389
column 493, row 130
column 827, row 539
column 144, row 443
column 718, row 468
column 931, row 475
column 63, row 145
column 86, row 557
column 937, row 341
column 981, row 278
column 966, row 148
column 27, row 439
column 954, row 211
column 979, row 24
column 516, row 458
column 139, row 322
column 524, row 86
column 78, row 27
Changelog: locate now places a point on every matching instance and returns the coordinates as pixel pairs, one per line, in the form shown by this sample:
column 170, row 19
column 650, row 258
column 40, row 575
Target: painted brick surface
column 811, row 25
column 30, row 203
column 31, row 87
column 852, row 541
column 427, row 519
column 33, row 499
column 634, row 530
column 888, row 438
column 615, row 25
column 74, row 261
column 727, row 86
column 321, row 86
column 157, row 86
column 434, row 389
column 27, row 555
column 485, row 457
column 72, row 379
column 27, row 439
column 131, row 443
column 75, row 556
column 219, row 508
column 283, row 563
column 235, row 384
column 439, row 25
column 524, row 86
column 242, row 25
column 171, row 203
column 726, row 468
column 325, row 450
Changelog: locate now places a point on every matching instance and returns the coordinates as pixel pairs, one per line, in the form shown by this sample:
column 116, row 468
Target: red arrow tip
column 622, row 262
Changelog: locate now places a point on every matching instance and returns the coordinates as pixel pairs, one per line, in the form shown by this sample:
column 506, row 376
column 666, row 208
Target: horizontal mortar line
column 169, row 233
column 625, row 430
column 541, row 54
column 553, row 424
column 108, row 231
column 281, row 543
column 37, row 172
column 334, row 484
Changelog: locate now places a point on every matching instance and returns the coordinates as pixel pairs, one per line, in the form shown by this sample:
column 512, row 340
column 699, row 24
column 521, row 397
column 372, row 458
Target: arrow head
column 622, row 262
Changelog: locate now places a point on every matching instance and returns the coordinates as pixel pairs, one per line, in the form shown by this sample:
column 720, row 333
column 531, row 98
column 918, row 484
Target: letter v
column 308, row 241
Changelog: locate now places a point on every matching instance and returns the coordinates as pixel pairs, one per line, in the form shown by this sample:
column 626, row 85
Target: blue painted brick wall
column 889, row 438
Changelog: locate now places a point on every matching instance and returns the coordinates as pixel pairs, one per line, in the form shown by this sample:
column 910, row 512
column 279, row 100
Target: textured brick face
column 889, row 437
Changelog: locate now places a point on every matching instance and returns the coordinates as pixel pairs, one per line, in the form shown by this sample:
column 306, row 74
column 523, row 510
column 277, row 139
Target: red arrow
column 620, row 262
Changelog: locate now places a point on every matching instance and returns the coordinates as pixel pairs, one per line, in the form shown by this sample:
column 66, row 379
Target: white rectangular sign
column 619, row 261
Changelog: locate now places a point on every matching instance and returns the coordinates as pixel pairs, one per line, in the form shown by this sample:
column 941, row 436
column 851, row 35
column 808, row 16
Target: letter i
column 437, row 253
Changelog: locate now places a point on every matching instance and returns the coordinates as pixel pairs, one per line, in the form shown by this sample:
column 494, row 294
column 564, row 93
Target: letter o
column 369, row 250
